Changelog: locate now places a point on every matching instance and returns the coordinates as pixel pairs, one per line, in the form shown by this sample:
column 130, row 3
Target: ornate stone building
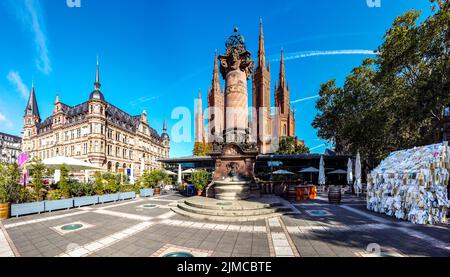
column 94, row 131
column 10, row 148
column 267, row 126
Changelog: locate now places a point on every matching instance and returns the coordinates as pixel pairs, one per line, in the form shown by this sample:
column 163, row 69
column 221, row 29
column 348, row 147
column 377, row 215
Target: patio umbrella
column 310, row 170
column 358, row 184
column 322, row 179
column 338, row 172
column 349, row 172
column 71, row 164
column 142, row 166
column 283, row 172
column 189, row 171
column 179, row 175
column 132, row 181
column 170, row 173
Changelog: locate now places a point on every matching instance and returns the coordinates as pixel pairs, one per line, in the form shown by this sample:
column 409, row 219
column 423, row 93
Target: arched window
column 284, row 130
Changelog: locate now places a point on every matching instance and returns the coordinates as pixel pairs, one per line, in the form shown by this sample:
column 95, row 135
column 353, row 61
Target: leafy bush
column 112, row 183
column 200, row 179
column 55, row 195
column 127, row 188
column 151, row 179
column 9, row 183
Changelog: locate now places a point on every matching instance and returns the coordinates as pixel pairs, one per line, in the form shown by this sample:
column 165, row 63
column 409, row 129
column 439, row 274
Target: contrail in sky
column 306, row 54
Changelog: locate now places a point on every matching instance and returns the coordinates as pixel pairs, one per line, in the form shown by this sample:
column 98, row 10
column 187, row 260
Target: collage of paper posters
column 412, row 185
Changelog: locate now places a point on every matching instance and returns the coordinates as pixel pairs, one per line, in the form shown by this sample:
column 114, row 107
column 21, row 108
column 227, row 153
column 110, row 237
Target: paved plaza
column 148, row 228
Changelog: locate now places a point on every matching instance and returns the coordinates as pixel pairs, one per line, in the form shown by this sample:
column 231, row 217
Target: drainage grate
column 179, row 255
column 149, row 206
column 71, row 227
column 224, row 204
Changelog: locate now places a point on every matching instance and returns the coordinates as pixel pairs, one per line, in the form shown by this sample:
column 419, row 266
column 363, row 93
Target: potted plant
column 154, row 179
column 9, row 179
column 127, row 192
column 108, row 182
column 146, row 185
column 200, row 180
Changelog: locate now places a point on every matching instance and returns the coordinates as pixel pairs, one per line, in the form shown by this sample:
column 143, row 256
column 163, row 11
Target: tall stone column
column 236, row 67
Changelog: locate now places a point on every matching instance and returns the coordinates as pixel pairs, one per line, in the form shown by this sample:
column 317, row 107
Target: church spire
column 216, row 80
column 32, row 107
column 282, row 79
column 97, row 84
column 262, row 50
column 165, row 127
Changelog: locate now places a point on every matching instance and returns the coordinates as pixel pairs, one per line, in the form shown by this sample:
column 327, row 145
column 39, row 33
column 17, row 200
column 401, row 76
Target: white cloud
column 306, row 54
column 16, row 80
column 304, row 99
column 5, row 121
column 31, row 16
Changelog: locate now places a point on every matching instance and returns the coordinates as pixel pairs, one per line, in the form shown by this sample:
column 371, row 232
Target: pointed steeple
column 262, row 50
column 282, row 78
column 216, row 80
column 97, row 84
column 165, row 126
column 32, row 107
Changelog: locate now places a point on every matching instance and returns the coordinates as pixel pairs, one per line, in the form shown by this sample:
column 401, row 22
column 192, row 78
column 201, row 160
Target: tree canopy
column 394, row 100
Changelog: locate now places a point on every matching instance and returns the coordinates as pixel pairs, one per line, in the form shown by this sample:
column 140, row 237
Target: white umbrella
column 349, row 172
column 179, row 175
column 169, row 172
column 132, row 181
column 283, row 172
column 358, row 184
column 71, row 164
column 142, row 166
column 189, row 171
column 322, row 179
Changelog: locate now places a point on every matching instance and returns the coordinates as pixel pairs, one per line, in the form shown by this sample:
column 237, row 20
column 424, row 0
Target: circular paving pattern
column 179, row 255
column 71, row 227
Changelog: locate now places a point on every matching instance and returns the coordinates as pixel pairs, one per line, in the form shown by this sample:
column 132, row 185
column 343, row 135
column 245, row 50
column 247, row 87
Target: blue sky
column 156, row 55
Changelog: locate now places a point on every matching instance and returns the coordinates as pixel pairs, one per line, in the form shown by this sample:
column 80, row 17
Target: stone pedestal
column 232, row 191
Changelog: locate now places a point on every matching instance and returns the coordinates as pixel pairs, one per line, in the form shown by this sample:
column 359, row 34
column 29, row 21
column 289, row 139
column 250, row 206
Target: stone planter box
column 85, row 201
column 146, row 192
column 108, row 198
column 55, row 205
column 27, row 208
column 127, row 195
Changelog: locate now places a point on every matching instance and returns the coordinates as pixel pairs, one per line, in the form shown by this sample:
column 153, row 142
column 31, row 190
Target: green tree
column 291, row 146
column 202, row 149
column 393, row 101
column 38, row 171
column 63, row 184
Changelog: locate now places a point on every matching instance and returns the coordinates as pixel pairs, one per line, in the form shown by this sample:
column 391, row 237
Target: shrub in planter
column 200, row 180
column 56, row 202
column 9, row 188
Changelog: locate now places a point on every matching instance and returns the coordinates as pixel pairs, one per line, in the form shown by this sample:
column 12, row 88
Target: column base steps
column 201, row 208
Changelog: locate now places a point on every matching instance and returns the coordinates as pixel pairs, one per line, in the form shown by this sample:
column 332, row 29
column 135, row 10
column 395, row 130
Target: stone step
column 212, row 204
column 233, row 212
column 223, row 218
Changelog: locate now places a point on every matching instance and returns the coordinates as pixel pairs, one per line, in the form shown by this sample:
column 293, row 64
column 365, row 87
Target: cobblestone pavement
column 137, row 229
